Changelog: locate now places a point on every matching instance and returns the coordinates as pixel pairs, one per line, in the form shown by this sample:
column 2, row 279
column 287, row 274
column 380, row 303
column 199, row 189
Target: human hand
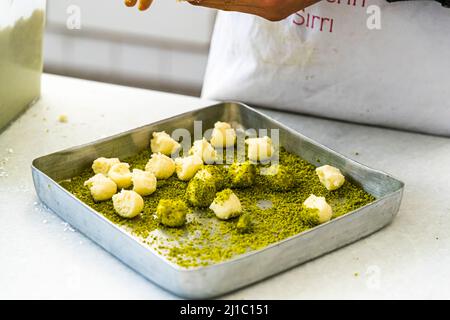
column 143, row 4
column 273, row 10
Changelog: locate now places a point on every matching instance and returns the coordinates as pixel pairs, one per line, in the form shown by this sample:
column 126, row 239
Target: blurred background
column 165, row 48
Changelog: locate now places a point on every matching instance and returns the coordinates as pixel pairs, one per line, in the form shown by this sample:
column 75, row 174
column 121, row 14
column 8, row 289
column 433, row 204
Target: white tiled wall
column 164, row 48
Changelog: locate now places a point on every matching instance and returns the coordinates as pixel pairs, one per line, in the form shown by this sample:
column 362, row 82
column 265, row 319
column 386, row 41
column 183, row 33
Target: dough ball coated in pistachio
column 244, row 224
column 201, row 190
column 278, row 177
column 219, row 175
column 242, row 175
column 172, row 213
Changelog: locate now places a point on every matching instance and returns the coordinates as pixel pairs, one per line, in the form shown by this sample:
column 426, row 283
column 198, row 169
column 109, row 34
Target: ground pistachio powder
column 204, row 239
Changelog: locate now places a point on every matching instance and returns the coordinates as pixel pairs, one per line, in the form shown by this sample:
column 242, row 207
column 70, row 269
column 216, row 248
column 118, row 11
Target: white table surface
column 41, row 257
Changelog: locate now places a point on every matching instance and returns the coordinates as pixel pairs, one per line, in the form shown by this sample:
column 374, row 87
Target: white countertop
column 41, row 257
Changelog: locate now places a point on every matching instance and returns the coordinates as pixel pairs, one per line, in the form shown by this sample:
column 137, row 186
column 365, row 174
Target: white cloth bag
column 397, row 76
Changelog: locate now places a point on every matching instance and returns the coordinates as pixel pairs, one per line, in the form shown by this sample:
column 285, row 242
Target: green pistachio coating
column 242, row 175
column 172, row 213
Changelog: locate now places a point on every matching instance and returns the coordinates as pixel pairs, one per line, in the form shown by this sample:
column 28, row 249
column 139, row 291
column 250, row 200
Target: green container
column 21, row 34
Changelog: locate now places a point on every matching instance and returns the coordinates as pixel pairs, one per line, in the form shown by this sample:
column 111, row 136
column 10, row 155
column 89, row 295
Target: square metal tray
column 220, row 278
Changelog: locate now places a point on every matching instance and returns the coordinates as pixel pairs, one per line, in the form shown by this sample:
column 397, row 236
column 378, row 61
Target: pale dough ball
column 101, row 187
column 161, row 166
column 187, row 167
column 320, row 205
column 144, row 182
column 120, row 174
column 259, row 149
column 204, row 150
column 223, row 135
column 128, row 204
column 226, row 205
column 163, row 143
column 102, row 165
column 330, row 177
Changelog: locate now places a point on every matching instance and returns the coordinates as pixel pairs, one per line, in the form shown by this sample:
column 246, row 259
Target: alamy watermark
column 73, row 21
column 238, row 151
column 374, row 20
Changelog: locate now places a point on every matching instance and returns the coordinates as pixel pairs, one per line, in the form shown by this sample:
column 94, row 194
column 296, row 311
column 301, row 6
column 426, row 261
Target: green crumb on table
column 242, row 175
column 204, row 240
column 172, row 213
column 63, row 118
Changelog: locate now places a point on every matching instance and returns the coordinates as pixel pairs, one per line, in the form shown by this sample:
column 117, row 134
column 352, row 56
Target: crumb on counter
column 63, row 118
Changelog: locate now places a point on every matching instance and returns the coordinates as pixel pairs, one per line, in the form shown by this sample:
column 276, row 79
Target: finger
column 249, row 6
column 144, row 4
column 130, row 3
column 229, row 5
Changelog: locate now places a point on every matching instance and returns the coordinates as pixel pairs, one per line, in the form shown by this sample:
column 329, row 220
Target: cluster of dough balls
column 332, row 179
column 205, row 183
column 112, row 175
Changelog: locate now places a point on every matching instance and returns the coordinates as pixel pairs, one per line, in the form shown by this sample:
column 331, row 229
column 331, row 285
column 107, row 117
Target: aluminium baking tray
column 220, row 278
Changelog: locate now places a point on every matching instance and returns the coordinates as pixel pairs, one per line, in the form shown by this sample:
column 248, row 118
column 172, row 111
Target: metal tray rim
column 178, row 268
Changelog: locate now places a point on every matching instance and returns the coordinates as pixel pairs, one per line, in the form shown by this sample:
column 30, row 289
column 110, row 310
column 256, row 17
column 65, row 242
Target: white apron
column 325, row 61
